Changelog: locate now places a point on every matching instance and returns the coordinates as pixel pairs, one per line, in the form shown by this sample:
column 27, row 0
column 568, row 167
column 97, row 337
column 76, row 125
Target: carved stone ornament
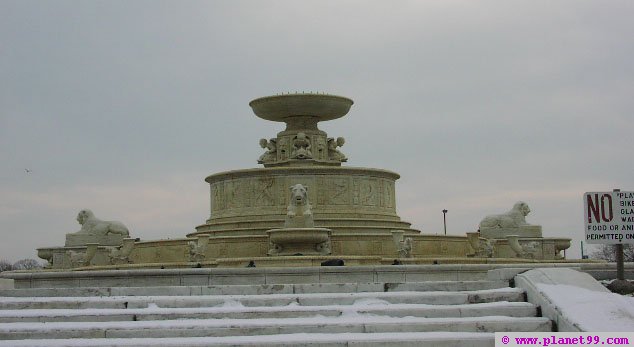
column 333, row 153
column 79, row 258
column 403, row 244
column 197, row 248
column 522, row 249
column 271, row 151
column 121, row 254
column 512, row 222
column 301, row 147
column 95, row 230
column 298, row 212
column 482, row 248
column 514, row 218
column 405, row 248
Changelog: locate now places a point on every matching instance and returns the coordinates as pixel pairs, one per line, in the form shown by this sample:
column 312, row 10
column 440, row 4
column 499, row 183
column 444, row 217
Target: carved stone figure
column 405, row 248
column 76, row 259
column 94, row 226
column 94, row 230
column 271, row 151
column 403, row 244
column 197, row 248
column 120, row 255
column 333, row 152
column 299, row 211
column 79, row 258
column 324, row 247
column 274, row 248
column 522, row 249
column 195, row 253
column 322, row 149
column 481, row 247
column 514, row 218
column 512, row 222
column 301, row 147
column 282, row 147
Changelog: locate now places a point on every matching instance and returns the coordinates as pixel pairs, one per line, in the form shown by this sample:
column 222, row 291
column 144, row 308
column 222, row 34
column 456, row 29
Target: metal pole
column 620, row 270
column 444, row 219
column 582, row 256
column 618, row 248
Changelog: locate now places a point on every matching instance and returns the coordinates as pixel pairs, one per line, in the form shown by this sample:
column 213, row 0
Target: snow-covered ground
column 594, row 311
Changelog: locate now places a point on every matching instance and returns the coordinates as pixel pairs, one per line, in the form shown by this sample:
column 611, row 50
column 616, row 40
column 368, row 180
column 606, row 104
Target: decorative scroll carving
column 219, row 197
column 265, row 192
column 368, row 192
column 388, row 195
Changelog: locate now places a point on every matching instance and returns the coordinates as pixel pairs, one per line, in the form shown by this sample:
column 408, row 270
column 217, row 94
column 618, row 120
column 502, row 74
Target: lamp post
column 444, row 219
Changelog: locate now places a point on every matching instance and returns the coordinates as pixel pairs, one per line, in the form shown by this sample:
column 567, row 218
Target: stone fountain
column 354, row 208
column 264, row 215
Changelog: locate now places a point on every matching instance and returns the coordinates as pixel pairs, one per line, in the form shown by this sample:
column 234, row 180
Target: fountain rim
column 299, row 170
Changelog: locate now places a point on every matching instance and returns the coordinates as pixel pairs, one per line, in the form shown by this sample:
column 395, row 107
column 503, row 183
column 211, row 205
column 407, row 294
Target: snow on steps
column 395, row 315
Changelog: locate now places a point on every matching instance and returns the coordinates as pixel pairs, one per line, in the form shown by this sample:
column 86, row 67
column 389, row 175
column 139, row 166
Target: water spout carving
column 299, row 236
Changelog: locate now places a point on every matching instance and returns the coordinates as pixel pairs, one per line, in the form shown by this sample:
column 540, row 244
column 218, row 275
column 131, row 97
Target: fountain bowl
column 285, row 236
column 279, row 108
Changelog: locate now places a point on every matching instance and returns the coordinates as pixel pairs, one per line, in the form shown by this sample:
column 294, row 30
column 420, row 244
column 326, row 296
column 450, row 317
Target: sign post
column 609, row 219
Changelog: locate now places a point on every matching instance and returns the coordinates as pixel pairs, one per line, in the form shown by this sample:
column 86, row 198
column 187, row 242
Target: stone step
column 429, row 313
column 307, row 299
column 256, row 289
column 411, row 339
column 237, row 311
column 253, row 327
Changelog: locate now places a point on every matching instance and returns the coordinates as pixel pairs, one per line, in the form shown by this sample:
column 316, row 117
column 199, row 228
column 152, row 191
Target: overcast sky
column 124, row 107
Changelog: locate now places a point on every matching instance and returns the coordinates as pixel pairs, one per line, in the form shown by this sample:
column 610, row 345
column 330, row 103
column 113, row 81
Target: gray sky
column 124, row 107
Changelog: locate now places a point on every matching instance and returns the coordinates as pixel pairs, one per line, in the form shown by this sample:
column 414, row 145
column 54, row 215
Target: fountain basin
column 299, row 241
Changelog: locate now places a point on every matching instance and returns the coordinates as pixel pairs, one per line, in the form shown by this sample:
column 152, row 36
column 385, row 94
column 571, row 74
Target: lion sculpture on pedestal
column 514, row 218
column 95, row 226
column 299, row 213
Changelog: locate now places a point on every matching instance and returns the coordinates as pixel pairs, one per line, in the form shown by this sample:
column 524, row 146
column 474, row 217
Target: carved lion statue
column 514, row 218
column 94, row 226
column 299, row 206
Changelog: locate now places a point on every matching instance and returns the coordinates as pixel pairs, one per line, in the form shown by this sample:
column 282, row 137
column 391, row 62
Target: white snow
column 594, row 311
column 255, row 340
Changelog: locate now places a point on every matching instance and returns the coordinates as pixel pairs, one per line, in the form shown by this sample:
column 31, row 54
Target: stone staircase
column 432, row 313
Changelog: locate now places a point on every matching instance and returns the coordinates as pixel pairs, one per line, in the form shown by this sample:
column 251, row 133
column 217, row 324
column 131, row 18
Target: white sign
column 609, row 217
